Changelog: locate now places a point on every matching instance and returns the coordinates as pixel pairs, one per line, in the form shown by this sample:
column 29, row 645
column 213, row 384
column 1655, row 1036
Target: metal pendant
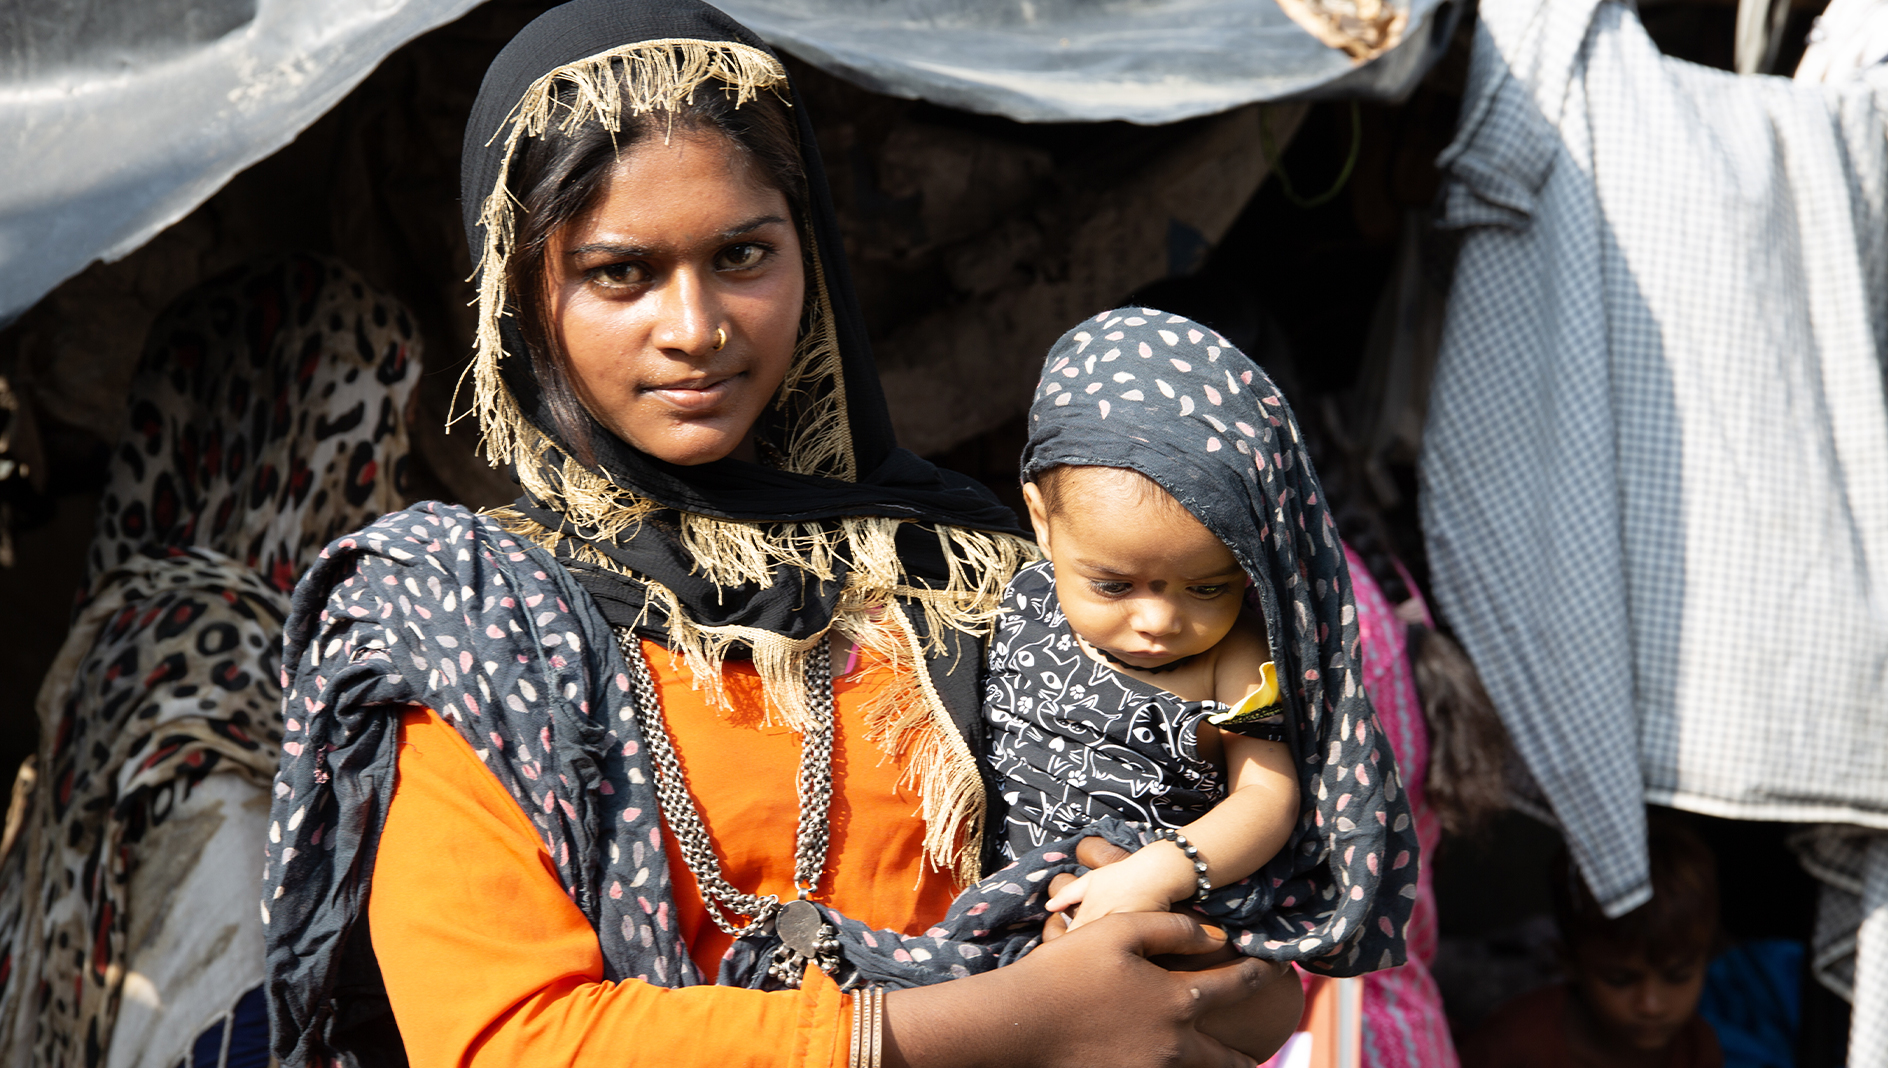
column 804, row 936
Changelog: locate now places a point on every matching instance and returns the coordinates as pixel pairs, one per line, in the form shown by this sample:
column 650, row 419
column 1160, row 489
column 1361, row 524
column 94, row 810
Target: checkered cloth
column 1656, row 464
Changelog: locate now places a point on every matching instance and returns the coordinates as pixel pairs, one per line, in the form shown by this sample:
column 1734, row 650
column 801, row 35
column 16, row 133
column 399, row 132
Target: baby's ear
column 1038, row 513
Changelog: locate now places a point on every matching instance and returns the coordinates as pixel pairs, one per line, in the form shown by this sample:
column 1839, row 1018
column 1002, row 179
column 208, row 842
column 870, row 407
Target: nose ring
column 721, row 337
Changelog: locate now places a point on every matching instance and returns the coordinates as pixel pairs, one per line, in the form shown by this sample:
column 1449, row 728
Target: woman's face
column 686, row 250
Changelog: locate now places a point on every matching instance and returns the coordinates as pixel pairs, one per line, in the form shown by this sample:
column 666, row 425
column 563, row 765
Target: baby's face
column 1137, row 575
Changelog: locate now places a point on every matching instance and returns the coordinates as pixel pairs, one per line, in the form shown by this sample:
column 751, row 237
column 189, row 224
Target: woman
column 265, row 419
column 540, row 768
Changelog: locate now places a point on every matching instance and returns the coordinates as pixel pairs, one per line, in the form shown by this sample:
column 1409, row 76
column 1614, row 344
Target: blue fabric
column 1753, row 999
column 1625, row 358
column 249, row 1032
column 248, row 1047
column 207, row 1050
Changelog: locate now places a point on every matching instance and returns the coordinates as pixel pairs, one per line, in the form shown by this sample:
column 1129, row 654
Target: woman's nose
column 689, row 316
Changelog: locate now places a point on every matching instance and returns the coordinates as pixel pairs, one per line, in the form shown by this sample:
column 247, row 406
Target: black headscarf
column 889, row 482
column 732, row 558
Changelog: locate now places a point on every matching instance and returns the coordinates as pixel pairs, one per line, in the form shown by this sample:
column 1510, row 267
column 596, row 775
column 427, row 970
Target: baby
column 1132, row 674
column 1148, row 594
column 1131, row 693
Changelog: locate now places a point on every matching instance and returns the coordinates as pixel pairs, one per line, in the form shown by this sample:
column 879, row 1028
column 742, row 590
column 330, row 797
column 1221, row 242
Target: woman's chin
column 693, row 443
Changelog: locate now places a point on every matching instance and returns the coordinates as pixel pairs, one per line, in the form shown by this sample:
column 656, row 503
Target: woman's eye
column 743, row 257
column 618, row 275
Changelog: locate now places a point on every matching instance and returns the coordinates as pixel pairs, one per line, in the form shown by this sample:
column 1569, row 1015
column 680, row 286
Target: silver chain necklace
column 804, row 934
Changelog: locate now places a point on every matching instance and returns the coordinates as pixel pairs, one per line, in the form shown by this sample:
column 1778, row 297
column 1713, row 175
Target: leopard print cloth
column 266, row 417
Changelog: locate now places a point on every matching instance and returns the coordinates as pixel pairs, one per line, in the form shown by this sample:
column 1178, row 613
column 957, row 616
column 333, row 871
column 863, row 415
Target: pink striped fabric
column 1404, row 1025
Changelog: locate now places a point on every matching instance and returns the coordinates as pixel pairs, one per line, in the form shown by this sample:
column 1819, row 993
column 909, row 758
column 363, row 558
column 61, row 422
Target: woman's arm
column 1094, row 998
column 487, row 961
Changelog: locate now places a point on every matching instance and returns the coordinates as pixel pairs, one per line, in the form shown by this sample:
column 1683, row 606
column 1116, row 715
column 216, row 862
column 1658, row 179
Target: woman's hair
column 559, row 176
column 1677, row 924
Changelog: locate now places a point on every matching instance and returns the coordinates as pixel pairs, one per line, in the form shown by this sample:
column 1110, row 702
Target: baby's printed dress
column 1073, row 740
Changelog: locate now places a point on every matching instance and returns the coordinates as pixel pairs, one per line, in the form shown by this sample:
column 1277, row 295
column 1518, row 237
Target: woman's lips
column 694, row 396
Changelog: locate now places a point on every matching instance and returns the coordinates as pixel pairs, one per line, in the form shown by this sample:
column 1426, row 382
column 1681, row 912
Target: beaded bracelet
column 868, row 1029
column 1193, row 854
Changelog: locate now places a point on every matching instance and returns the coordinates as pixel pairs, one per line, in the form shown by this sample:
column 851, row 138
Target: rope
column 1270, row 152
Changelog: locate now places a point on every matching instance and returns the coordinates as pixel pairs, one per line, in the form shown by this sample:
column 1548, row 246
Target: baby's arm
column 1238, row 835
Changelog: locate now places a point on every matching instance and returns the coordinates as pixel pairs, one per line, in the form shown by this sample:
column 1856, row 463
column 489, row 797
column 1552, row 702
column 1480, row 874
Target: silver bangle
column 1193, row 854
column 868, row 1029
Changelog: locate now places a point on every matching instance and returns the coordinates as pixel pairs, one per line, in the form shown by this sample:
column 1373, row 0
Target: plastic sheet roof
column 1145, row 61
column 118, row 117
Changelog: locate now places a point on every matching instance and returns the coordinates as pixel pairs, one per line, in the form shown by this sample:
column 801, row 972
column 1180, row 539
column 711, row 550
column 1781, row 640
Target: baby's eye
column 1210, row 591
column 742, row 257
column 618, row 275
column 1110, row 589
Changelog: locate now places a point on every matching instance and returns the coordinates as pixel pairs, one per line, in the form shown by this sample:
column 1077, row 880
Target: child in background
column 1132, row 675
column 1632, row 989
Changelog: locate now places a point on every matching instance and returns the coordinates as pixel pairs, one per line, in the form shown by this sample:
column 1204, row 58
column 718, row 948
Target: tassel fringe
column 636, row 79
column 813, row 396
column 908, row 720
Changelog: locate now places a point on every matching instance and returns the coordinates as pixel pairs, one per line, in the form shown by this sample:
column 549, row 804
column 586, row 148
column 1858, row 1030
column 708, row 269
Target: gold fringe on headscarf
column 939, row 765
column 813, row 395
column 907, row 720
column 637, row 78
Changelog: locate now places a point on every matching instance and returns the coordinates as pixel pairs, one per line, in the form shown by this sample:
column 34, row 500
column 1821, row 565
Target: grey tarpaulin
column 117, row 117
column 1146, row 61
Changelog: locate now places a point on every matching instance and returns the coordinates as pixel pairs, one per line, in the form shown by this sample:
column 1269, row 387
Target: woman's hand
column 1257, row 1027
column 1093, row 999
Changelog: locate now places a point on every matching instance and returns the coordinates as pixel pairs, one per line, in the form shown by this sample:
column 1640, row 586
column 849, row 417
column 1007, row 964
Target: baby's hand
column 1149, row 881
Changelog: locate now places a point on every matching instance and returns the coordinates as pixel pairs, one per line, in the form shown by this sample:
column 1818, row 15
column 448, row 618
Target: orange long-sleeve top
column 487, row 961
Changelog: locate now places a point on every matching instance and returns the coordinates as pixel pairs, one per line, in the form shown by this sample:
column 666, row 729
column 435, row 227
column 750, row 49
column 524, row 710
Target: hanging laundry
column 1849, row 37
column 1655, row 470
